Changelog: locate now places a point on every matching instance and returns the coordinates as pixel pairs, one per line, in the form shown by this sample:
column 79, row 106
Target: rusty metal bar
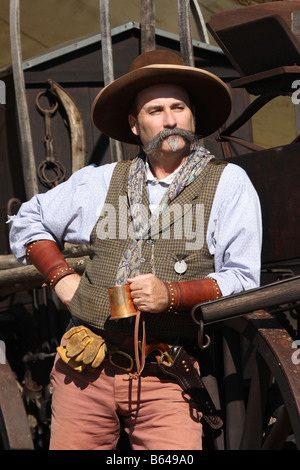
column 267, row 296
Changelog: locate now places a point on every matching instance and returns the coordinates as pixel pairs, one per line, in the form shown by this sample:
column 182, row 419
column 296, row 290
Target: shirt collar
column 167, row 180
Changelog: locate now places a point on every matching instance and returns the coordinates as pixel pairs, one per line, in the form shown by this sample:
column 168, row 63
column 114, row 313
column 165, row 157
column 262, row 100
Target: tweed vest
column 179, row 234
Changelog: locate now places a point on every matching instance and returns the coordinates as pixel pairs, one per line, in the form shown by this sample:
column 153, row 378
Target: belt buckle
column 121, row 353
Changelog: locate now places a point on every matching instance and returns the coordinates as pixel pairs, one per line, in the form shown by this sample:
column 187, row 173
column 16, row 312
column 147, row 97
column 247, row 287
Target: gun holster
column 178, row 364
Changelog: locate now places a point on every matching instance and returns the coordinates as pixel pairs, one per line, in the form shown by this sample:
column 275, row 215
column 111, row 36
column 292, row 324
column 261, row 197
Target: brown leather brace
column 185, row 295
column 48, row 259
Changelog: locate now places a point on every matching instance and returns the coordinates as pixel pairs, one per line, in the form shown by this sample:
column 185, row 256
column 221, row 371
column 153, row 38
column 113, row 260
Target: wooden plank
column 14, row 427
column 185, row 34
column 232, row 17
column 147, row 25
column 28, row 160
column 278, row 79
column 275, row 174
column 27, row 277
column 199, row 21
column 248, row 45
column 108, row 67
column 107, row 55
column 256, row 406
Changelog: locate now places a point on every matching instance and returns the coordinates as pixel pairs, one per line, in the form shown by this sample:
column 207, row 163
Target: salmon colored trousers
column 89, row 409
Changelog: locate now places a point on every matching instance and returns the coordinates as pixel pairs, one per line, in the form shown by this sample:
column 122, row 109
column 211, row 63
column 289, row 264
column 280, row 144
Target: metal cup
column 121, row 304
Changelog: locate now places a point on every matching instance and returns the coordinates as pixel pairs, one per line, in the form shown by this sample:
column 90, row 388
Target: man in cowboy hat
column 207, row 246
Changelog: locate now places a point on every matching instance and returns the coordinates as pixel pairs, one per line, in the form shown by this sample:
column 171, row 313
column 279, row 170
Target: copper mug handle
column 121, row 304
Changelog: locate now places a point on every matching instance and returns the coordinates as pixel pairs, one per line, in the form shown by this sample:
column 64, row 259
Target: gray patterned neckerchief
column 141, row 222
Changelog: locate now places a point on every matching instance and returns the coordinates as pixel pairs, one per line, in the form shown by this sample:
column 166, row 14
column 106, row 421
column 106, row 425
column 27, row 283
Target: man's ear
column 133, row 124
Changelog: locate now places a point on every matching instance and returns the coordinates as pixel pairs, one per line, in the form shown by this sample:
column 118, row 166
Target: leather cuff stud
column 185, row 295
column 48, row 260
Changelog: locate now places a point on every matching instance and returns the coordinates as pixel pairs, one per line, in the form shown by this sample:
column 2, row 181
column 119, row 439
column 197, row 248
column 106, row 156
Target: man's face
column 163, row 107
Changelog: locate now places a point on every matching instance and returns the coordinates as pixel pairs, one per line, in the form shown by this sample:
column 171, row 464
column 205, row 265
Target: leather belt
column 124, row 359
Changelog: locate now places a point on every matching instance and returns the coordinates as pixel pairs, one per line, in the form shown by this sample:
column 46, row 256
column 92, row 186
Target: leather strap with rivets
column 185, row 295
column 48, row 260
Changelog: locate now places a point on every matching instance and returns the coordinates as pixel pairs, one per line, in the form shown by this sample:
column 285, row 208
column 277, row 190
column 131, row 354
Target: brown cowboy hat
column 209, row 94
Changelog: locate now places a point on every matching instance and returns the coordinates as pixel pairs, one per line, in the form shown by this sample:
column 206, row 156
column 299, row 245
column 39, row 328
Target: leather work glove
column 83, row 349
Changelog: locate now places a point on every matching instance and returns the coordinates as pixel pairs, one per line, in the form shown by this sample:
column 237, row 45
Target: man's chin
column 174, row 141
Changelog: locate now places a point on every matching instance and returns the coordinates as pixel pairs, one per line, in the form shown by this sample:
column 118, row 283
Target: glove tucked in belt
column 84, row 348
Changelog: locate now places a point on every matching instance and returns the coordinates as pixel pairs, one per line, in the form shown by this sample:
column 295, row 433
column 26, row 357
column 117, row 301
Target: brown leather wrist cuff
column 185, row 295
column 48, row 260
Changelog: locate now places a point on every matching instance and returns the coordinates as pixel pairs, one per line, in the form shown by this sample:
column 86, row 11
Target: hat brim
column 209, row 94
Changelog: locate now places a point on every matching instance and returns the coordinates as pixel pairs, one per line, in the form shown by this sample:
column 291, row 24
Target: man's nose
column 170, row 119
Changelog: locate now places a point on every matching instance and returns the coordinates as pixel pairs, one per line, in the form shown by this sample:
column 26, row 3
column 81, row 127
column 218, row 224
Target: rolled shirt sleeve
column 234, row 234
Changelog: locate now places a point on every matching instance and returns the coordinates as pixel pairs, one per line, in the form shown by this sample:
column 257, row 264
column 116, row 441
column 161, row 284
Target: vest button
column 142, row 260
column 149, row 241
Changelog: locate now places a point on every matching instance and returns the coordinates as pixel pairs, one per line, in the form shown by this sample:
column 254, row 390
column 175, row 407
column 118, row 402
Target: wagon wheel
column 14, row 428
column 260, row 394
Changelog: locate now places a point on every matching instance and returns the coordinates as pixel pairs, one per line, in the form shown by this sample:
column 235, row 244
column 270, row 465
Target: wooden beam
column 199, row 21
column 108, row 66
column 14, row 426
column 185, row 35
column 24, row 278
column 147, row 25
column 28, row 160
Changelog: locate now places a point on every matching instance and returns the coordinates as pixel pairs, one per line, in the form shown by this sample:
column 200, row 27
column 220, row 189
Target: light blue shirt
column 69, row 212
